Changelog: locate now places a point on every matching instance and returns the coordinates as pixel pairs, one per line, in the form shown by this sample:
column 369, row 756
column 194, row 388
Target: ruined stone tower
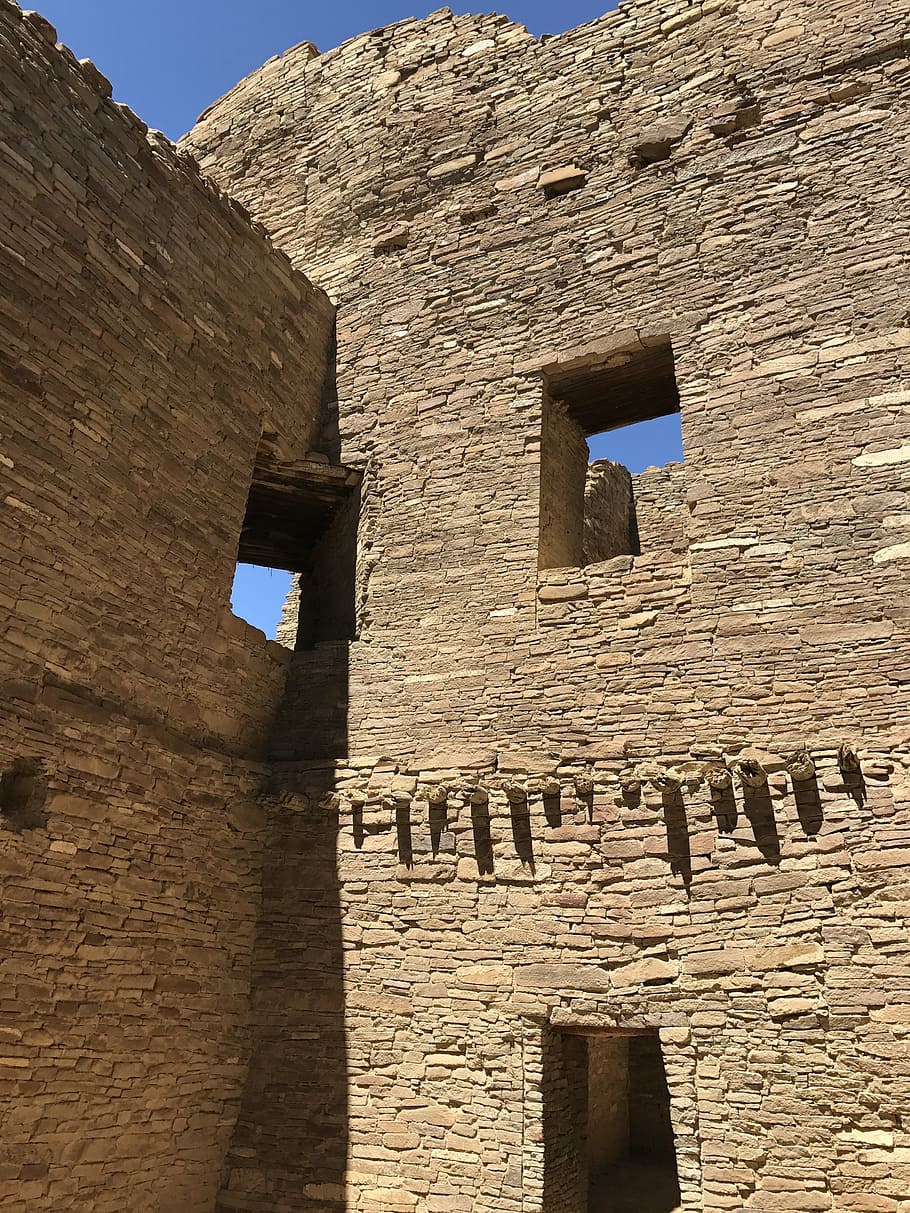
column 560, row 856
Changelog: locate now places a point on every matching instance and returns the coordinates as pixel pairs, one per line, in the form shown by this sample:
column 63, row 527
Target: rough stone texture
column 507, row 805
column 610, row 522
column 728, row 176
column 659, row 495
column 563, row 490
column 608, row 1102
column 147, row 336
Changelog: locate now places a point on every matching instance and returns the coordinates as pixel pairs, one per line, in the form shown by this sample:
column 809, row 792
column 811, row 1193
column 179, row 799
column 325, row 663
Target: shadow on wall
column 677, row 827
column 564, row 1099
column 759, row 812
column 290, row 1143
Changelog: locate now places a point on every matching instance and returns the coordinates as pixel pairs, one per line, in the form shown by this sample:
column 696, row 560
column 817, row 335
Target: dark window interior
column 23, row 792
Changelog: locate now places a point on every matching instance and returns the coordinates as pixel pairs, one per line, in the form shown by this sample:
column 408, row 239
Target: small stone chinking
column 147, row 330
column 553, row 754
column 515, row 231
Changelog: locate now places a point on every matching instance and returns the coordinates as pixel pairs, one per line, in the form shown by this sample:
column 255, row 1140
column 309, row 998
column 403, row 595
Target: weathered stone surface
column 562, row 180
column 656, row 142
column 323, row 928
column 643, row 972
column 561, row 977
column 148, row 335
column 759, row 615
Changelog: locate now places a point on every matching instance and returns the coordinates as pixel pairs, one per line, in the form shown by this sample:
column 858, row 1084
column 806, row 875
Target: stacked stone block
column 148, row 336
column 488, row 210
column 324, row 929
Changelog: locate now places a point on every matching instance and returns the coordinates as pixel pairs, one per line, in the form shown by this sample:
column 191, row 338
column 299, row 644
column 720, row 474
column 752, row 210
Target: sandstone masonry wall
column 454, row 124
column 661, row 508
column 610, row 526
column 148, row 337
column 563, row 471
column 490, row 212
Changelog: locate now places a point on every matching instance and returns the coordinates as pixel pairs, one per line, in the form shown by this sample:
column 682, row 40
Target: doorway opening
column 624, row 1151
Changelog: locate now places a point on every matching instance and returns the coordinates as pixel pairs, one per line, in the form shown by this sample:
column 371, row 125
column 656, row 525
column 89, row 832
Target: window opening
column 605, row 419
column 641, row 445
column 259, row 594
column 297, row 553
column 23, row 792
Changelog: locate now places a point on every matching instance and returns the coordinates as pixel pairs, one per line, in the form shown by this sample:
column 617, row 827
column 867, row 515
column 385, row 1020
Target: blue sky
column 170, row 59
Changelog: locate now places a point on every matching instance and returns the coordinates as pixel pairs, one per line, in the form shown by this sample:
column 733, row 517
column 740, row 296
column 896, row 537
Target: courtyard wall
column 149, row 338
column 495, row 215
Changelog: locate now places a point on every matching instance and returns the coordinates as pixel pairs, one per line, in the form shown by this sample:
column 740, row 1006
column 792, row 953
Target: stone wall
column 563, row 472
column 563, row 1085
column 148, row 337
column 443, row 331
column 610, row 525
column 608, row 1101
column 726, row 175
column 661, row 508
column 760, row 935
column 521, row 804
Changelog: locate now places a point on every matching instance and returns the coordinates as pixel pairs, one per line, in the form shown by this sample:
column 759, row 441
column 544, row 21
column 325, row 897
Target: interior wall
column 146, row 333
column 610, row 526
column 322, row 603
column 662, row 509
column 608, row 1101
column 502, row 282
column 735, row 187
column 564, row 1128
column 290, row 1144
column 563, row 472
column 650, row 1123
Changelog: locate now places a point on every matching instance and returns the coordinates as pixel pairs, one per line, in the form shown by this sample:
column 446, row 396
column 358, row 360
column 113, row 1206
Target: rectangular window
column 301, row 519
column 627, row 401
column 259, row 595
